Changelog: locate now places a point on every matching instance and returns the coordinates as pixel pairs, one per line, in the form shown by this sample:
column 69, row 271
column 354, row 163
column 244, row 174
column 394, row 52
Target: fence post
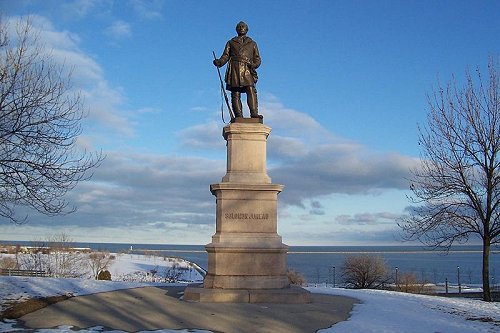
column 446, row 284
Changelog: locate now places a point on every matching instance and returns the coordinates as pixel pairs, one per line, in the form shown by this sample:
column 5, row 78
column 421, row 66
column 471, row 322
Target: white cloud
column 316, row 208
column 286, row 147
column 119, row 30
column 63, row 40
column 326, row 171
column 199, row 109
column 152, row 192
column 82, row 8
column 206, row 136
column 313, row 162
column 292, row 122
column 147, row 9
column 63, row 49
column 368, row 218
column 148, row 110
column 344, row 237
column 85, row 72
column 103, row 102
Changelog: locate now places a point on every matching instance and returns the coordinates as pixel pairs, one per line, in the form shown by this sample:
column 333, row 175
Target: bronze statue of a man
column 242, row 55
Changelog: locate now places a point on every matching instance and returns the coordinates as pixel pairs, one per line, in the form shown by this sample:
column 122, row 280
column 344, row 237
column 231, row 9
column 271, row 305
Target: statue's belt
column 240, row 59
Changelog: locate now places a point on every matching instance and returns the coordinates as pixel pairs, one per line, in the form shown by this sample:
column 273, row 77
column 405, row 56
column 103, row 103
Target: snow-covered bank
column 127, row 271
column 392, row 312
column 123, row 267
column 150, row 268
column 18, row 288
column 379, row 311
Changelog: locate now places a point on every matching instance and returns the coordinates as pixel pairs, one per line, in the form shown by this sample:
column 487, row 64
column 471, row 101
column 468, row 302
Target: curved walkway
column 154, row 308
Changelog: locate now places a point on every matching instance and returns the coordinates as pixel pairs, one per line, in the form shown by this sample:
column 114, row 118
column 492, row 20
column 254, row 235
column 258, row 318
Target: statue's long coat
column 243, row 56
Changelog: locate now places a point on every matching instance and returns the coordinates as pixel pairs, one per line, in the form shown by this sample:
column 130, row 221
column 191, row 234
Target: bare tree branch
column 39, row 126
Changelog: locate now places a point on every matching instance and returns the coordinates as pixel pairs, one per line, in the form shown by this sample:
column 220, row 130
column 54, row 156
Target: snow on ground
column 19, row 288
column 9, row 326
column 134, row 267
column 127, row 271
column 137, row 267
column 392, row 312
column 378, row 311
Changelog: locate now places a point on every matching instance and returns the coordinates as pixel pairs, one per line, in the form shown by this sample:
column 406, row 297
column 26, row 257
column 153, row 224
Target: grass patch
column 22, row 308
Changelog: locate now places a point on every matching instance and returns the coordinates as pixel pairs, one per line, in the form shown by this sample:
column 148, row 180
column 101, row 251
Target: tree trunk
column 486, row 271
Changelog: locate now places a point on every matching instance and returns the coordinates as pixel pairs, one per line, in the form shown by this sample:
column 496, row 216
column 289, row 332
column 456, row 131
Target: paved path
column 154, row 308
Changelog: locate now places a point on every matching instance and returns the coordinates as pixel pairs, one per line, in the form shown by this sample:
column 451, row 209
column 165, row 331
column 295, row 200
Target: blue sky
column 342, row 84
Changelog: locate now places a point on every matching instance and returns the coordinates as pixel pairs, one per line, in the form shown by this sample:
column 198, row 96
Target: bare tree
column 365, row 272
column 64, row 260
column 173, row 274
column 39, row 125
column 99, row 261
column 296, row 278
column 409, row 283
column 8, row 263
column 55, row 256
column 36, row 258
column 457, row 188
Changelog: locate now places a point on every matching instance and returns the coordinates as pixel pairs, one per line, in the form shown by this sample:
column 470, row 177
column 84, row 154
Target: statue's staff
column 224, row 92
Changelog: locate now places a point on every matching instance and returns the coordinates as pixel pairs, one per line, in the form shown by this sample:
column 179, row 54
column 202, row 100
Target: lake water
column 317, row 263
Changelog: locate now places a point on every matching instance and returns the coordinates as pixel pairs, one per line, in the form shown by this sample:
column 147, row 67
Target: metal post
column 458, row 280
column 329, row 274
column 397, row 277
column 333, row 276
column 446, row 284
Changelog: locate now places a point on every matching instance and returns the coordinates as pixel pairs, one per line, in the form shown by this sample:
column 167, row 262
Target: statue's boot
column 236, row 104
column 252, row 102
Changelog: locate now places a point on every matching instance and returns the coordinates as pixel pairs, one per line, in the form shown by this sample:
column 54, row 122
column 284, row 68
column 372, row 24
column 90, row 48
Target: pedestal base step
column 292, row 295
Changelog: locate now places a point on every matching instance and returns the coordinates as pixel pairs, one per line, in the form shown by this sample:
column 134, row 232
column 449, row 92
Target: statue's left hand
column 216, row 62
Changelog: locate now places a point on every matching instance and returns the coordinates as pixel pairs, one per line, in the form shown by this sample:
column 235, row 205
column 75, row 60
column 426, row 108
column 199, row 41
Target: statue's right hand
column 216, row 62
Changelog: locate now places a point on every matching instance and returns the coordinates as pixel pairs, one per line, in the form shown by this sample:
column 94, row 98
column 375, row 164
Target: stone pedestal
column 246, row 258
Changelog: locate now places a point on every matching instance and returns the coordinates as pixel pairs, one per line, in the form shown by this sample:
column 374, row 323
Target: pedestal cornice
column 254, row 129
column 245, row 187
